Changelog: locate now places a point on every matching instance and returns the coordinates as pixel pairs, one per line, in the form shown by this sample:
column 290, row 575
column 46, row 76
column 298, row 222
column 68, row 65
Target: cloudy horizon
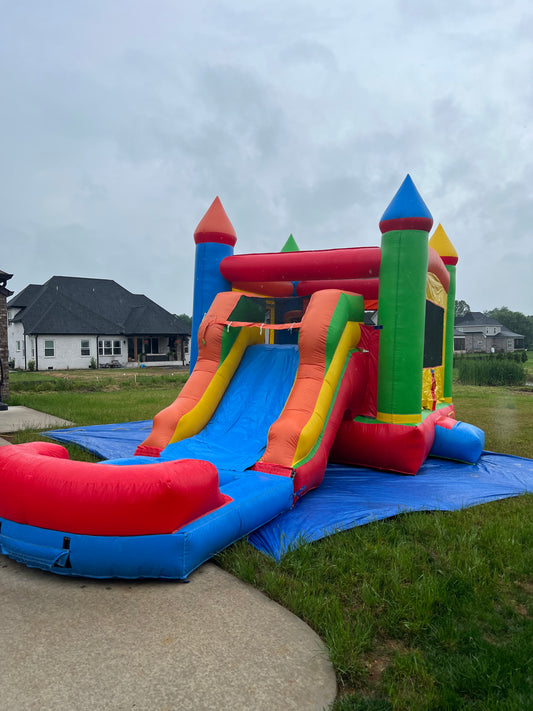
column 122, row 121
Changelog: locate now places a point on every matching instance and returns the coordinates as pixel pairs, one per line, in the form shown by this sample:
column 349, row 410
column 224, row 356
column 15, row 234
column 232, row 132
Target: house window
column 108, row 348
column 510, row 344
column 185, row 346
column 85, row 348
column 18, row 346
column 49, row 349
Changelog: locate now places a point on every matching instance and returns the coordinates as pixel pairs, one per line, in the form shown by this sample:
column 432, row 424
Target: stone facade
column 4, row 390
column 4, row 353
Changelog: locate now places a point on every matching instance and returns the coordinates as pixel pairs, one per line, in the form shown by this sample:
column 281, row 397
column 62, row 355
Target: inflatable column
column 402, row 306
column 445, row 249
column 215, row 239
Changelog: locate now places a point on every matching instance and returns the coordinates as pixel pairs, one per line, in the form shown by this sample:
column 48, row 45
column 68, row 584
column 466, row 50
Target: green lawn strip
column 423, row 611
column 504, row 414
column 96, row 408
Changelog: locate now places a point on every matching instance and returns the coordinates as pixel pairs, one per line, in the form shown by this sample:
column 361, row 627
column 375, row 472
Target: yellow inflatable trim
column 392, row 419
column 313, row 429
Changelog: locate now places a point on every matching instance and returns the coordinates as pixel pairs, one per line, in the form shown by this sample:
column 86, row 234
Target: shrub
column 491, row 371
column 31, row 365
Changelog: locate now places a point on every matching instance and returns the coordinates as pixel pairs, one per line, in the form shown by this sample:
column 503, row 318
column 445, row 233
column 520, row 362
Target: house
column 477, row 333
column 73, row 322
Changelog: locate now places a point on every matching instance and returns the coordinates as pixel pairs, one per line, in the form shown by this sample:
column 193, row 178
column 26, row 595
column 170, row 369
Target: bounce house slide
column 255, row 424
column 296, row 437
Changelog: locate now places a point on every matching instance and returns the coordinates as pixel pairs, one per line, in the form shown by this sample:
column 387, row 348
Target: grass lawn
column 423, row 611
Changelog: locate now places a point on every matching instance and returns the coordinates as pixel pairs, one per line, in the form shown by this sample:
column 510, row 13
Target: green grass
column 528, row 365
column 89, row 398
column 504, row 414
column 423, row 611
column 428, row 610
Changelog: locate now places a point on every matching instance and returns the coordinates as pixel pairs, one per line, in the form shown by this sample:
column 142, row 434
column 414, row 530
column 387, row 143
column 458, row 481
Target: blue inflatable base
column 256, row 498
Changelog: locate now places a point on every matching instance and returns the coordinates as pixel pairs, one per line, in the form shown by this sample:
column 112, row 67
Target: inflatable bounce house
column 341, row 355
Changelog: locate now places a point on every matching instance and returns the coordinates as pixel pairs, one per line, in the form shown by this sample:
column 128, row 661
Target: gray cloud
column 120, row 122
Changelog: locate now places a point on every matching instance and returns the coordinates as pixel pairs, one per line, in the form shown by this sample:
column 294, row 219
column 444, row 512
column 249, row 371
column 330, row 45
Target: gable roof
column 475, row 318
column 77, row 305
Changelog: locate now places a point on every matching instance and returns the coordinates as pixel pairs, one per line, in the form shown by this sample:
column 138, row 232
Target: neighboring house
column 477, row 333
column 69, row 321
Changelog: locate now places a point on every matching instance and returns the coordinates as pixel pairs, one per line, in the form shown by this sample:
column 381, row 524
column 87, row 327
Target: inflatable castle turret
column 215, row 239
column 402, row 305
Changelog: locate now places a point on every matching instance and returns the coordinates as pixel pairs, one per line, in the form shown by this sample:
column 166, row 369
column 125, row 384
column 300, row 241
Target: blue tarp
column 106, row 441
column 353, row 496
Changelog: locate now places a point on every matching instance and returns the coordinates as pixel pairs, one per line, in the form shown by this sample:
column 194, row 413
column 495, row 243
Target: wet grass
column 504, row 414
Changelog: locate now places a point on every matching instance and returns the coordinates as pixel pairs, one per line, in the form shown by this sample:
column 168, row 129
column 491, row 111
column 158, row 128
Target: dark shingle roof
column 475, row 318
column 25, row 297
column 506, row 333
column 75, row 305
column 4, row 278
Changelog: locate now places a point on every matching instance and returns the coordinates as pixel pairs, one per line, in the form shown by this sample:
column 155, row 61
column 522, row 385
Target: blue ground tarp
column 349, row 496
column 353, row 496
column 106, row 441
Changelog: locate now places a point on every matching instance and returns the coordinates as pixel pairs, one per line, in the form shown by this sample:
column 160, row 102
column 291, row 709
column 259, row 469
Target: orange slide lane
column 328, row 332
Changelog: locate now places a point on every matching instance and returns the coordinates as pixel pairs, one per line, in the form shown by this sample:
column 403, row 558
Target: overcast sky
column 121, row 120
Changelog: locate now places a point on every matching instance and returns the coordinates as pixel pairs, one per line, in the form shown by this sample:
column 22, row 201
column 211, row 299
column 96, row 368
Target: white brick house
column 72, row 322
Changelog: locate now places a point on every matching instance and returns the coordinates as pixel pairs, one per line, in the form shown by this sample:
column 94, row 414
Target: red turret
column 215, row 226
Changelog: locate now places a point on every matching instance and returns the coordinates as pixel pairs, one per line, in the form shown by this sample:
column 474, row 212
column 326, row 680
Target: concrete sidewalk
column 213, row 643
column 17, row 418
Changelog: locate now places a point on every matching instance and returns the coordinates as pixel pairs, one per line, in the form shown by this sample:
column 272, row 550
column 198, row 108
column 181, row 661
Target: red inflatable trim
column 346, row 263
column 40, row 486
column 269, row 288
column 406, row 223
column 144, row 450
column 395, row 448
column 368, row 288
